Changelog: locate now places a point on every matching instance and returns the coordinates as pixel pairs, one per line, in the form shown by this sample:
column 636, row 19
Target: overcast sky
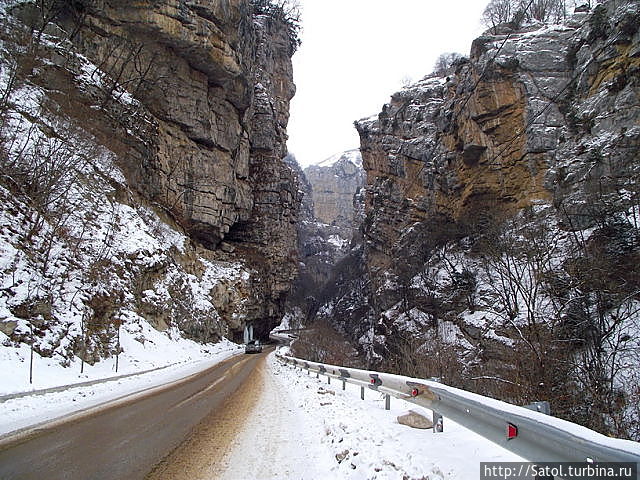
column 356, row 53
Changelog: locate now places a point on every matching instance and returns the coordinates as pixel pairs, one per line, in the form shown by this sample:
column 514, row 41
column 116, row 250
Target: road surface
column 259, row 433
column 127, row 438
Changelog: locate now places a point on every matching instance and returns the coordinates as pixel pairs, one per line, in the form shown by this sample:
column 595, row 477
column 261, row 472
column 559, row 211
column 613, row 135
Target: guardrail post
column 328, row 379
column 438, row 421
column 344, row 374
column 387, row 402
column 361, row 393
column 438, row 426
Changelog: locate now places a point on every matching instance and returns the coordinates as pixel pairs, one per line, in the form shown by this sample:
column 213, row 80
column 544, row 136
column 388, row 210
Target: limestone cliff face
column 517, row 124
column 220, row 108
column 218, row 97
column 325, row 228
column 193, row 100
column 193, row 69
column 334, row 182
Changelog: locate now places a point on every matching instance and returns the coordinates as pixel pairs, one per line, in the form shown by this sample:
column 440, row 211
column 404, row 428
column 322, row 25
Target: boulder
column 414, row 419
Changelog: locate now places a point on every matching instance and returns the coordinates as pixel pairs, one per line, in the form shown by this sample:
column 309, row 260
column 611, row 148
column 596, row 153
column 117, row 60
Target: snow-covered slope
column 367, row 442
column 90, row 279
column 98, row 275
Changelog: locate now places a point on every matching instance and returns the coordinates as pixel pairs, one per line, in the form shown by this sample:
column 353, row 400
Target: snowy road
column 259, row 433
column 285, row 425
column 247, row 418
column 126, row 438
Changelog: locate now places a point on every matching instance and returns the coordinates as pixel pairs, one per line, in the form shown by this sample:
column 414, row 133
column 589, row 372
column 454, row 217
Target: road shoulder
column 259, row 433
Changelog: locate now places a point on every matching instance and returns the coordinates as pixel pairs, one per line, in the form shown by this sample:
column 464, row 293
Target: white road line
column 201, row 392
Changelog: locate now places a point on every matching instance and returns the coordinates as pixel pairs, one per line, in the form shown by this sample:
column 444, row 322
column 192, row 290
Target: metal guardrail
column 532, row 435
column 88, row 383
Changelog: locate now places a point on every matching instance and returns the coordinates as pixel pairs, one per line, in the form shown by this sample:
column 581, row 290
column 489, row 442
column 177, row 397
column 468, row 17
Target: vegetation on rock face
column 122, row 174
column 446, row 62
column 285, row 11
column 516, row 12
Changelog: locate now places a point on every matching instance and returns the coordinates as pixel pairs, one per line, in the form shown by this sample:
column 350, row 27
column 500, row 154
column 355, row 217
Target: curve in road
column 128, row 437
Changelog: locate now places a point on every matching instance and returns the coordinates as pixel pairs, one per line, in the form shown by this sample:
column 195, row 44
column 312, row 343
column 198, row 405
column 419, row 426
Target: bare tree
column 518, row 11
column 286, row 11
column 324, row 344
column 548, row 10
column 445, row 63
column 517, row 256
column 499, row 11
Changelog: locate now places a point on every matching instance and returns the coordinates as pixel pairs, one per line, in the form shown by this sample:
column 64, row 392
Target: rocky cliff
column 498, row 201
column 219, row 101
column 329, row 217
column 174, row 113
column 334, row 182
column 324, row 249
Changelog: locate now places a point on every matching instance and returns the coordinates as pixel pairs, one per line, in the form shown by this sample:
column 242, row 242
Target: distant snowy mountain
column 334, row 182
column 354, row 156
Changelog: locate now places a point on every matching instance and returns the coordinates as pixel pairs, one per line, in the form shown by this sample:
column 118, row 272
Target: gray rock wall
column 549, row 120
column 334, row 182
column 501, row 221
column 202, row 138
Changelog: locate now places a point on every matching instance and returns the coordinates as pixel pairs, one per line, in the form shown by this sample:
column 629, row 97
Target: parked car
column 254, row 346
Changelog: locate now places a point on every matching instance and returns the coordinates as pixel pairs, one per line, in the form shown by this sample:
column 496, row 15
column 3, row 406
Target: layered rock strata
column 500, row 239
column 526, row 120
column 334, row 182
column 217, row 96
column 326, row 227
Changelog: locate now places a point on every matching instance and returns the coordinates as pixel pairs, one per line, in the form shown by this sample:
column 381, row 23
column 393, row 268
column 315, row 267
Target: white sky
column 356, row 53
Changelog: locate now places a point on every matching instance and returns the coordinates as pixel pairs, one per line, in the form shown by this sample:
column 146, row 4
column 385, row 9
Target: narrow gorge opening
column 160, row 199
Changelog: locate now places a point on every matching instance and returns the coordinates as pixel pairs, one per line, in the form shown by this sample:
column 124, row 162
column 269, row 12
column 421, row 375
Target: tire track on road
column 204, row 455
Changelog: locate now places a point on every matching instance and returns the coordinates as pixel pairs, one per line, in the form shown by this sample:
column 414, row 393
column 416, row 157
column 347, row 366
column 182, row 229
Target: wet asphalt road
column 127, row 440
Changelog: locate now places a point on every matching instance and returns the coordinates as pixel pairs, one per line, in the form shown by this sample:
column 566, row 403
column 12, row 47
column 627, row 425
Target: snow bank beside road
column 159, row 349
column 368, row 443
column 31, row 410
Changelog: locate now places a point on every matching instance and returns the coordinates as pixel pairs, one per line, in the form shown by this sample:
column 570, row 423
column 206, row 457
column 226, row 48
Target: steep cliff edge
column 502, row 221
column 143, row 175
column 219, row 87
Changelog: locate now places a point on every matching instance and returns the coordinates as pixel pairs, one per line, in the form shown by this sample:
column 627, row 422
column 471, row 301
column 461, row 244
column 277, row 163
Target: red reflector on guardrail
column 512, row 431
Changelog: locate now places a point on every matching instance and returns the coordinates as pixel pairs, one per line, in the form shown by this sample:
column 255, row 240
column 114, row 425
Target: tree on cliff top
column 517, row 12
column 445, row 62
